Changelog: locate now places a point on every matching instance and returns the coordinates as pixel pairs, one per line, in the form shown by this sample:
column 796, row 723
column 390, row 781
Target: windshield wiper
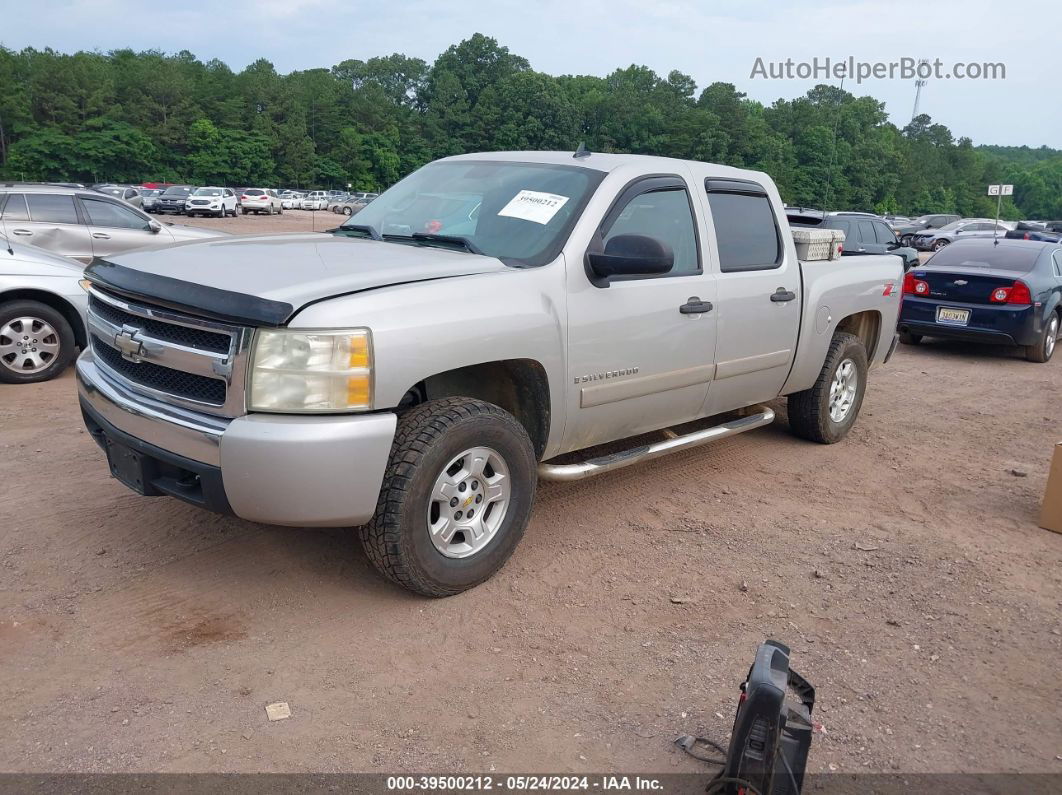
column 365, row 229
column 447, row 240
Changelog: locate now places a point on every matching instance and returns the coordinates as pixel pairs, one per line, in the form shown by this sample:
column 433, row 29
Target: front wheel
column 1042, row 351
column 828, row 410
column 456, row 497
column 36, row 342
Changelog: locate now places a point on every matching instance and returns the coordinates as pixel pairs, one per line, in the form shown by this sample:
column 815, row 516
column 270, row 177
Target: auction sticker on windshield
column 533, row 205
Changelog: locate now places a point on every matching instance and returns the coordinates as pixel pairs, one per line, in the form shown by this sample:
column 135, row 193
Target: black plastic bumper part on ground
column 162, row 473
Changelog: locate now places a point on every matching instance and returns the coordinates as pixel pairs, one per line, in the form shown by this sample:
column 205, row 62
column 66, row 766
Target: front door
column 640, row 349
column 114, row 227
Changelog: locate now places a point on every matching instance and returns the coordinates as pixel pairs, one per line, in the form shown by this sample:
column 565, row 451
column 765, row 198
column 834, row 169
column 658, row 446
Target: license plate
column 953, row 317
column 126, row 466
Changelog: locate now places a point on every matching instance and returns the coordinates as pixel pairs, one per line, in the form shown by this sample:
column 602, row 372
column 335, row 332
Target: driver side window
column 664, row 215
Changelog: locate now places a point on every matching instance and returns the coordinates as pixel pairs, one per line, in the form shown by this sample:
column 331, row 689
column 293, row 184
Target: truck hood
column 265, row 280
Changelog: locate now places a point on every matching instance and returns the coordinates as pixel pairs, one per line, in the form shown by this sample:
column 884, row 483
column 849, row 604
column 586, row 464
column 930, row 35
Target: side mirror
column 892, row 245
column 154, row 226
column 632, row 255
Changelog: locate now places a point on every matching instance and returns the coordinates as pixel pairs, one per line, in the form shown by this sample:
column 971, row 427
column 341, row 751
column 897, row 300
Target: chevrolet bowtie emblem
column 126, row 342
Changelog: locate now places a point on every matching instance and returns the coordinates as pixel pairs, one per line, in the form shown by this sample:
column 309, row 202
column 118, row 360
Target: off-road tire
column 428, row 436
column 67, row 343
column 1039, row 352
column 907, row 338
column 809, row 411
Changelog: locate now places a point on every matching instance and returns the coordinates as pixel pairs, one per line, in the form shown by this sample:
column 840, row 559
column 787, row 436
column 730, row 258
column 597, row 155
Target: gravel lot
column 289, row 221
column 903, row 565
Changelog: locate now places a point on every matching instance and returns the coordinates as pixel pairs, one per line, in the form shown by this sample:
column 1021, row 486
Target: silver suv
column 83, row 223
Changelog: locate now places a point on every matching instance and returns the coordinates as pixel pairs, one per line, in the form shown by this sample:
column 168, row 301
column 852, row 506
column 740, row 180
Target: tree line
column 128, row 116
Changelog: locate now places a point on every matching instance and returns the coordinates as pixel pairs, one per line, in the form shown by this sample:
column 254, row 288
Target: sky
column 710, row 41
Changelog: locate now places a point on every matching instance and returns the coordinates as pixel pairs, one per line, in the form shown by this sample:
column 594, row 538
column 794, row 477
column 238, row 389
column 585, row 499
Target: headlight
column 311, row 371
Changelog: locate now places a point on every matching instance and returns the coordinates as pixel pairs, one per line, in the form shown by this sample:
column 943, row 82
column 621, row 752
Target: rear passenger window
column 52, row 208
column 15, row 209
column 745, row 229
column 866, row 232
column 666, row 216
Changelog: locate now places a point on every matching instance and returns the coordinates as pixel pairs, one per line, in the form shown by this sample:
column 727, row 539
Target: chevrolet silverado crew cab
column 486, row 322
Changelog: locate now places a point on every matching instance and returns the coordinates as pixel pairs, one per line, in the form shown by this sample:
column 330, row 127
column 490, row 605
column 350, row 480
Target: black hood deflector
column 196, row 299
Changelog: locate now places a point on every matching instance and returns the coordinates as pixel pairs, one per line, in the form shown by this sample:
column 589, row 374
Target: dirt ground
column 904, row 566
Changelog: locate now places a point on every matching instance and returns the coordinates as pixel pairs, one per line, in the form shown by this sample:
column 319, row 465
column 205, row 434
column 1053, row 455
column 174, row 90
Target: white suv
column 218, row 202
column 315, row 200
column 260, row 200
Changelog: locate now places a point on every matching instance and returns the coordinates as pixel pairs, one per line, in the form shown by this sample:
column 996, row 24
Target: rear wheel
column 939, row 244
column 907, row 338
column 36, row 342
column 1042, row 351
column 456, row 497
column 828, row 410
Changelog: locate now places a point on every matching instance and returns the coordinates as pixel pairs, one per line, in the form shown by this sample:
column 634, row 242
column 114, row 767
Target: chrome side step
column 674, row 443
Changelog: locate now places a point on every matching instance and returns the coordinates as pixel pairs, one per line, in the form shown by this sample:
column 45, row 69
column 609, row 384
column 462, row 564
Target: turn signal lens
column 1017, row 293
column 914, row 286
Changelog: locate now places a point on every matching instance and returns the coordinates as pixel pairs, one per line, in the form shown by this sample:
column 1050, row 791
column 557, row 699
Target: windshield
column 515, row 211
column 151, row 192
column 119, row 192
column 254, row 192
column 178, row 191
column 208, row 192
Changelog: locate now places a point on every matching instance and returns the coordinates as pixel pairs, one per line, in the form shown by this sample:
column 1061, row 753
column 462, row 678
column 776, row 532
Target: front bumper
column 297, row 470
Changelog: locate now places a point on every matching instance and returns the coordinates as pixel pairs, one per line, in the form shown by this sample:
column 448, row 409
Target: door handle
column 695, row 306
column 101, row 236
column 23, row 232
column 781, row 295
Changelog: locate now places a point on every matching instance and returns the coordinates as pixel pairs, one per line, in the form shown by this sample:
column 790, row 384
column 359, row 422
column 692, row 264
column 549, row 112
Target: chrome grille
column 170, row 356
column 182, row 335
column 163, row 379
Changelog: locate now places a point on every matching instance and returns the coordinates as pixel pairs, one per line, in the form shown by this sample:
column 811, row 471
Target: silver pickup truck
column 488, row 321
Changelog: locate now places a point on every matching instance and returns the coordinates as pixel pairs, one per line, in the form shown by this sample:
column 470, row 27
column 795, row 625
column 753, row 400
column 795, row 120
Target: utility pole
column 919, row 85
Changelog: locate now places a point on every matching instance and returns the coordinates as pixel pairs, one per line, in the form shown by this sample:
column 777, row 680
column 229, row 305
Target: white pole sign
column 1008, row 190
column 993, row 190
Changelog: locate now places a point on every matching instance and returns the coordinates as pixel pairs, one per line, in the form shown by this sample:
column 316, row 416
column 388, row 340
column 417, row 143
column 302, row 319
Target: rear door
column 115, row 227
column 758, row 307
column 640, row 349
column 48, row 220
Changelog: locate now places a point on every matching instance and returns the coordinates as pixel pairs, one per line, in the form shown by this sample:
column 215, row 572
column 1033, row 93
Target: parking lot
column 288, row 221
column 903, row 565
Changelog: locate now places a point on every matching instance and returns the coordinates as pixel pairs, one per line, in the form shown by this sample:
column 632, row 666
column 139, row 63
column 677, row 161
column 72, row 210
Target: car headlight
column 311, row 371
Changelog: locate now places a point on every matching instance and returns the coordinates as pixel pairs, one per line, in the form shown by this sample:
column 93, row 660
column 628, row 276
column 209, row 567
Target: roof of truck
column 603, row 161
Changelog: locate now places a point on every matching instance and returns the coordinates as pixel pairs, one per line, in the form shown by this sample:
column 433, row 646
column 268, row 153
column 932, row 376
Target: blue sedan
column 1004, row 291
